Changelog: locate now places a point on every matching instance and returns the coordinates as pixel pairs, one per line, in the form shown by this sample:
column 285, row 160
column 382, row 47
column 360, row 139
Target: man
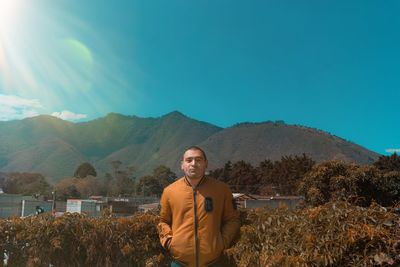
column 198, row 218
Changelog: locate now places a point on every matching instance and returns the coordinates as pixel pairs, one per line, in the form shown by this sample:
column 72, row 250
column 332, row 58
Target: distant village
column 15, row 205
column 118, row 194
column 282, row 183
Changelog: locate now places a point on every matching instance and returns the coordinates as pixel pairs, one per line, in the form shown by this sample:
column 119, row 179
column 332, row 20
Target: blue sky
column 332, row 65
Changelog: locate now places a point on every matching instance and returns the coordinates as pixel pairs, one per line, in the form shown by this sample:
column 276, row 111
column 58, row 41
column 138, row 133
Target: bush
column 75, row 240
column 335, row 234
column 361, row 185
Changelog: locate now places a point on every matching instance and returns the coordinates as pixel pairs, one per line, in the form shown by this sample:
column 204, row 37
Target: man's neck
column 194, row 181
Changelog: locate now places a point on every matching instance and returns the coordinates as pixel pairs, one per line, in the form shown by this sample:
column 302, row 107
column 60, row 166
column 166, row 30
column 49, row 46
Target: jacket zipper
column 196, row 237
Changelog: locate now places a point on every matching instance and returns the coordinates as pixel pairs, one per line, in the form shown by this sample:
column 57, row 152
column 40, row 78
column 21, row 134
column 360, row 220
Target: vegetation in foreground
column 333, row 234
column 343, row 222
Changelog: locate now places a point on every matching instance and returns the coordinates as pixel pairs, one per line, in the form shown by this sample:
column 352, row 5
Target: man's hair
column 198, row 149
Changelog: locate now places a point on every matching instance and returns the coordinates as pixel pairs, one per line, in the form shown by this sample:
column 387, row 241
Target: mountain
column 253, row 142
column 55, row 147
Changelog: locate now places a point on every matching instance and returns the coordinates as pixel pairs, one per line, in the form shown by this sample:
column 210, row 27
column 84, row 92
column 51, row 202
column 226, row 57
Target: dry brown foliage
column 335, row 234
column 361, row 185
column 76, row 240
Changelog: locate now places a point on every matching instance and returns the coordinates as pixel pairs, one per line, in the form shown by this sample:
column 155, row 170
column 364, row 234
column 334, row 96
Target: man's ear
column 182, row 165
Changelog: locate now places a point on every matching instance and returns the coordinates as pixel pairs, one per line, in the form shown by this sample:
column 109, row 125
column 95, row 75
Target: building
column 125, row 206
column 249, row 201
column 240, row 199
column 149, row 207
column 21, row 206
column 290, row 202
column 29, row 207
column 91, row 208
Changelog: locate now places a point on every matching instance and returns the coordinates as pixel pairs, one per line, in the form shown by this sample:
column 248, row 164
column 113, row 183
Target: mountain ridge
column 53, row 146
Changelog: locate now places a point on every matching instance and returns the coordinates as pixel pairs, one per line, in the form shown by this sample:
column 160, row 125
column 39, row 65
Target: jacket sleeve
column 230, row 219
column 164, row 226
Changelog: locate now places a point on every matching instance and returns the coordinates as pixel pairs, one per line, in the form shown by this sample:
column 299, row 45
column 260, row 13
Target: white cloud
column 393, row 150
column 68, row 115
column 15, row 108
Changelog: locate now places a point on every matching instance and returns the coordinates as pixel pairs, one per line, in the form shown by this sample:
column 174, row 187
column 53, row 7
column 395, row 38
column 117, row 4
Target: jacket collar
column 202, row 180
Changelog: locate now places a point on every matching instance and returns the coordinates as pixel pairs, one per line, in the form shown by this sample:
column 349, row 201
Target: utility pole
column 53, row 206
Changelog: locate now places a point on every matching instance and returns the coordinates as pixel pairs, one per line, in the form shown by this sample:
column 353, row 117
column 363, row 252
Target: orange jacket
column 193, row 235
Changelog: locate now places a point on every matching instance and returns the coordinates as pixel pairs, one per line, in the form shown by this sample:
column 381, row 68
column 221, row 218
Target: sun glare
column 44, row 54
column 9, row 12
column 36, row 50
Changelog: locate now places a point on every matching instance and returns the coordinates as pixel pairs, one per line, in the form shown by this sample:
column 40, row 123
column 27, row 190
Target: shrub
column 335, row 234
column 361, row 185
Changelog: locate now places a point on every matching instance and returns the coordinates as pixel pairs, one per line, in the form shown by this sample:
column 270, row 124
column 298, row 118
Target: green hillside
column 55, row 147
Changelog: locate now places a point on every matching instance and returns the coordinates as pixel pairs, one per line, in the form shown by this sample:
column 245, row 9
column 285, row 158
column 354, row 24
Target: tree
column 149, row 185
column 121, row 182
column 84, row 170
column 216, row 174
column 243, row 178
column 388, row 163
column 264, row 173
column 90, row 186
column 3, row 177
column 164, row 175
column 78, row 188
column 107, row 184
column 26, row 184
column 155, row 184
column 66, row 188
column 289, row 171
column 282, row 176
column 360, row 185
column 222, row 174
column 226, row 172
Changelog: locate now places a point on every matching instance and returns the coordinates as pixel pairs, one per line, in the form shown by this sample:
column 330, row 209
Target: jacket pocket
column 173, row 251
column 214, row 246
column 181, row 249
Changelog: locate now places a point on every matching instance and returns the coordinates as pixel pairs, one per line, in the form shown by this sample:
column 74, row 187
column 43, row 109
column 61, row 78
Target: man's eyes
column 195, row 159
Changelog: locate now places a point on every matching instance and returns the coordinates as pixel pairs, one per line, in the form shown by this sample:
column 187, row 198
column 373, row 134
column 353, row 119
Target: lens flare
column 9, row 13
column 46, row 53
column 37, row 52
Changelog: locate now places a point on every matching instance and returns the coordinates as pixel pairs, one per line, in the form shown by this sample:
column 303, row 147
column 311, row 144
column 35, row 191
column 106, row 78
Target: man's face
column 194, row 164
